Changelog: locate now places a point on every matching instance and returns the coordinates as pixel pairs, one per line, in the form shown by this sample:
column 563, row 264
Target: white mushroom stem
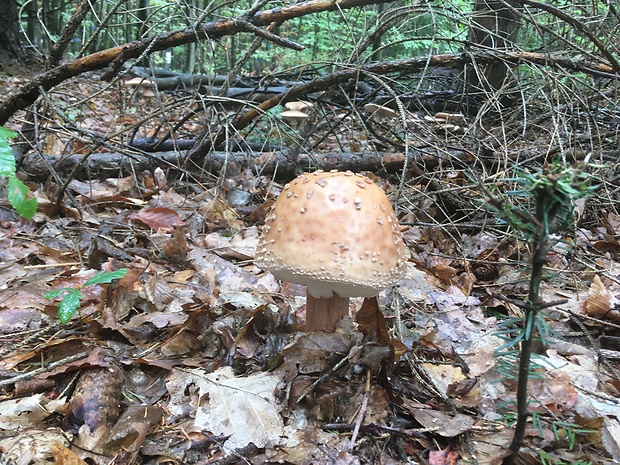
column 323, row 314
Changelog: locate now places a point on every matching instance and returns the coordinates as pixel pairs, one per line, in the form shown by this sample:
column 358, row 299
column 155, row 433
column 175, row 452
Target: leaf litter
column 197, row 356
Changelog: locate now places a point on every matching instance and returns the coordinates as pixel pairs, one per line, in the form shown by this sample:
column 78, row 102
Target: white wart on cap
column 334, row 232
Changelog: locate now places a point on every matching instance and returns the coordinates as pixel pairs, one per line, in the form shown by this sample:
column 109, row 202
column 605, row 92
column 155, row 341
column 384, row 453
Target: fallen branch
column 353, row 72
column 278, row 163
column 115, row 57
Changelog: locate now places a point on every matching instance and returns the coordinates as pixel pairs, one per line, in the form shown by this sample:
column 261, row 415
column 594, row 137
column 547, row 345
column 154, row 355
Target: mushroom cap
column 298, row 105
column 293, row 115
column 334, row 232
column 380, row 111
column 139, row 82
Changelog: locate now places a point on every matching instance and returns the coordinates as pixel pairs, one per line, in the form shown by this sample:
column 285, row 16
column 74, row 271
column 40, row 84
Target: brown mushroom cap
column 293, row 117
column 139, row 82
column 334, row 232
column 298, row 105
column 379, row 112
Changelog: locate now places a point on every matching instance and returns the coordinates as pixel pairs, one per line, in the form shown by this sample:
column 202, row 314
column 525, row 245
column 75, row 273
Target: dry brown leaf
column 159, row 219
column 176, row 247
column 600, row 301
column 28, row 411
column 242, row 408
column 31, row 446
column 446, row 425
column 180, row 344
column 490, row 448
column 443, row 457
column 610, row 437
column 555, row 391
column 130, row 430
column 312, row 352
column 63, row 455
column 372, row 322
column 444, row 272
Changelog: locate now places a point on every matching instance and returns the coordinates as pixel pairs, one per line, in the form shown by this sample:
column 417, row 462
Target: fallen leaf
column 159, row 219
column 242, row 408
column 443, row 457
column 33, row 447
column 27, row 411
column 130, row 430
column 445, row 424
column 313, row 352
column 600, row 301
column 371, row 320
column 63, row 455
column 610, row 437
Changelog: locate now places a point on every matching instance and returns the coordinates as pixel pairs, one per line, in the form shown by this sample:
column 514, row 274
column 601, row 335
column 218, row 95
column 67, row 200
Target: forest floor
column 198, row 356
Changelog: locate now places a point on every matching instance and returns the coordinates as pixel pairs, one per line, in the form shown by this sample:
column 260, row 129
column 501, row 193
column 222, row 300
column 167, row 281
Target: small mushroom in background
column 337, row 234
column 450, row 117
column 293, row 117
column 378, row 112
column 298, row 105
column 434, row 119
column 139, row 82
column 142, row 87
column 445, row 123
column 450, row 129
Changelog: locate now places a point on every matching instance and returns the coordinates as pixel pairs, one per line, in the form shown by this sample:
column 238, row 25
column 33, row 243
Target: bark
column 10, row 38
column 68, row 32
column 494, row 26
column 279, row 163
column 185, row 80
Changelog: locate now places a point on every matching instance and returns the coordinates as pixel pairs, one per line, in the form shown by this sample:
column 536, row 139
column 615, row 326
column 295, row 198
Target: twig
column 36, row 334
column 362, row 413
column 270, row 36
column 51, row 366
column 322, row 378
column 378, row 430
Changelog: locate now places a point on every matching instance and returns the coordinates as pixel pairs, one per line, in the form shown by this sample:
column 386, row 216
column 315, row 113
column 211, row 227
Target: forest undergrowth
column 195, row 355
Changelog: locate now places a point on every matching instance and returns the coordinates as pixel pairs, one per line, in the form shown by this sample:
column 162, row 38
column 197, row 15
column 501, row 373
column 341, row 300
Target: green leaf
column 17, row 193
column 69, row 305
column 56, row 293
column 106, row 277
column 7, row 160
column 6, row 133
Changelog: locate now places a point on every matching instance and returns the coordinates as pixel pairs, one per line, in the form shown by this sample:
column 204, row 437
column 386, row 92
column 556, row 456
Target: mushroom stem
column 323, row 314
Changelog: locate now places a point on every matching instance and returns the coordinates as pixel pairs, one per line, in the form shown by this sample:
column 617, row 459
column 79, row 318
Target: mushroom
column 139, row 82
column 298, row 105
column 293, row 117
column 337, row 234
column 434, row 119
column 449, row 117
column 142, row 87
column 379, row 112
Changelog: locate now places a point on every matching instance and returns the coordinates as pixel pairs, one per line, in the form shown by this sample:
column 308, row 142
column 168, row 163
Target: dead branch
column 67, row 34
column 300, row 91
column 579, row 25
column 115, row 57
column 279, row 163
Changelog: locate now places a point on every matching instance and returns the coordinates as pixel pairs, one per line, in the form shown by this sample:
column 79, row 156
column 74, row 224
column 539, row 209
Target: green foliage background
column 416, row 29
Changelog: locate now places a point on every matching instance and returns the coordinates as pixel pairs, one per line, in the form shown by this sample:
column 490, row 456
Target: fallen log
column 279, row 164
